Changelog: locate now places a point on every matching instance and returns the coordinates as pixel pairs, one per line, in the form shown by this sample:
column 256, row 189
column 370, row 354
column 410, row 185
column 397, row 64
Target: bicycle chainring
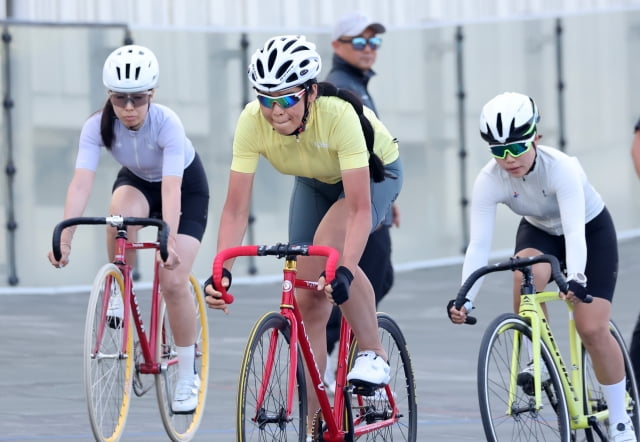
column 139, row 387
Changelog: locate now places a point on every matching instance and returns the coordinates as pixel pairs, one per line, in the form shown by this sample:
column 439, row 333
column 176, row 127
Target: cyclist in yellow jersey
column 336, row 200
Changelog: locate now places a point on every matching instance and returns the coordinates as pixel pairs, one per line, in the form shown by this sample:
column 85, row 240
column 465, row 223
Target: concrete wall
column 55, row 76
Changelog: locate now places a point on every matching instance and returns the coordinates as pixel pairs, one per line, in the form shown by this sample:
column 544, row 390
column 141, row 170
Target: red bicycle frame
column 299, row 341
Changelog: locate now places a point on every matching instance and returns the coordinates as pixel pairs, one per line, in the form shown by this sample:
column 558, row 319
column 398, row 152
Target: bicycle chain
column 316, row 426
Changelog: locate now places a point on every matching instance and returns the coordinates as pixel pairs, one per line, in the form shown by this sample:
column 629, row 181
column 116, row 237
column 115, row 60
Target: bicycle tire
column 108, row 373
column 268, row 346
column 497, row 350
column 370, row 409
column 182, row 427
column 594, row 399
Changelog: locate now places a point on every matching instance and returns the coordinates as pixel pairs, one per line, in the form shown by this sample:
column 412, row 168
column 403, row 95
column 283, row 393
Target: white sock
column 186, row 361
column 615, row 397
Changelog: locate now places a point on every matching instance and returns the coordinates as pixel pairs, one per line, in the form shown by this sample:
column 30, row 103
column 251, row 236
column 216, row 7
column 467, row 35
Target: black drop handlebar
column 514, row 264
column 117, row 221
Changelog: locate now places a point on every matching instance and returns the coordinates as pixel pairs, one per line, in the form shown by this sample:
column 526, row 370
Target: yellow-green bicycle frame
column 572, row 380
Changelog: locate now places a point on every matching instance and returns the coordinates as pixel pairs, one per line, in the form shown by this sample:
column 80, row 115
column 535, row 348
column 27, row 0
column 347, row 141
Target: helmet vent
column 283, row 69
column 499, row 123
column 260, row 68
column 272, row 59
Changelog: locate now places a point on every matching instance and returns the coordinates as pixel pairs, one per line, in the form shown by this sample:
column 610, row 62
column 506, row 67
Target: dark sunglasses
column 137, row 100
column 359, row 43
column 284, row 101
column 513, row 149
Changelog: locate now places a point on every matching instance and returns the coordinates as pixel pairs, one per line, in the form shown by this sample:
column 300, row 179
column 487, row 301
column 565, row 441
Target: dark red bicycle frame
column 147, row 344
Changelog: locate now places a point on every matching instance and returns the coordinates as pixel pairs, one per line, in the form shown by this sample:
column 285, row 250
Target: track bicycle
column 566, row 405
column 119, row 359
column 272, row 395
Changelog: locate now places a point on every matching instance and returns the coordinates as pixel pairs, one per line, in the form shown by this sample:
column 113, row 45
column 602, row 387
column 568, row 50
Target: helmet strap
column 305, row 116
column 533, row 165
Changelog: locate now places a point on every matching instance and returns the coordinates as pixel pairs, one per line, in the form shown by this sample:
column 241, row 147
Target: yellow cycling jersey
column 331, row 142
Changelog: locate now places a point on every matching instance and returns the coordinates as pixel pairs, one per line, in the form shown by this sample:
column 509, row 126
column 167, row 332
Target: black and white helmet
column 283, row 62
column 509, row 118
column 130, row 69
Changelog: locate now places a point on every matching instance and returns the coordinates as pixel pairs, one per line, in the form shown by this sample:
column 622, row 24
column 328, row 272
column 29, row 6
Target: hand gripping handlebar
column 278, row 250
column 117, row 221
column 514, row 264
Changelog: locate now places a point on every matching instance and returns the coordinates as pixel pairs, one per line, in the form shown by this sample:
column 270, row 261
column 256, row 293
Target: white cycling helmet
column 130, row 68
column 509, row 118
column 283, row 62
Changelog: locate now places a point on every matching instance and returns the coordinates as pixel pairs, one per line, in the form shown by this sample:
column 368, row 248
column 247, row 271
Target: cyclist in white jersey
column 562, row 215
column 161, row 176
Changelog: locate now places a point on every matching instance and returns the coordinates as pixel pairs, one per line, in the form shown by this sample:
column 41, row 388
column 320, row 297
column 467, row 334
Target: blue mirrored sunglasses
column 513, row 149
column 359, row 43
column 284, row 101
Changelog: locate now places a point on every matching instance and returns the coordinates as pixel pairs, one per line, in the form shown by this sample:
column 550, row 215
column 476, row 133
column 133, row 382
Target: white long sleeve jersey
column 555, row 197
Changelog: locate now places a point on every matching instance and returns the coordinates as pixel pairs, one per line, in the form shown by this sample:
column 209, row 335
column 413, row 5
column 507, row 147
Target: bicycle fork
column 533, row 314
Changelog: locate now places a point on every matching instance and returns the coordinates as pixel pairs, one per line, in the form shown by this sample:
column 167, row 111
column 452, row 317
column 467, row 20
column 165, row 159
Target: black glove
column 209, row 280
column 341, row 284
column 467, row 304
column 578, row 289
column 449, row 305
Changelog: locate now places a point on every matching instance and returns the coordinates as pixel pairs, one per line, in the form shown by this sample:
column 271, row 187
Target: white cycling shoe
column 115, row 311
column 622, row 432
column 185, row 397
column 369, row 369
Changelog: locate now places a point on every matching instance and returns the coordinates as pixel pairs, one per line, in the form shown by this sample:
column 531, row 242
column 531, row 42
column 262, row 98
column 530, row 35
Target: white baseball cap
column 354, row 24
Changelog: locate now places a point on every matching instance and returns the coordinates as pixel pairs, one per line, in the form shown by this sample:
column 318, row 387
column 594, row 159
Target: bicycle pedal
column 525, row 380
column 364, row 388
column 114, row 322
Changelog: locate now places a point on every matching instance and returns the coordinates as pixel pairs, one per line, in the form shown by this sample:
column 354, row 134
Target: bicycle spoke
column 509, row 411
column 395, row 404
column 108, row 367
column 182, row 427
column 262, row 393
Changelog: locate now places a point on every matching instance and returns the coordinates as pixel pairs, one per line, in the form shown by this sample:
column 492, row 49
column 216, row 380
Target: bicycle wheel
column 594, row 399
column 516, row 418
column 182, row 427
column 108, row 367
column 377, row 408
column 262, row 388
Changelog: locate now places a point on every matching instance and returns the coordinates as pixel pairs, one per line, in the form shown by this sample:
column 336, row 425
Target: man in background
column 355, row 46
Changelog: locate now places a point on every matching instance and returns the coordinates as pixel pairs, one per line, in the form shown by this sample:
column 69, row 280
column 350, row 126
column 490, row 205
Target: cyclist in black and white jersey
column 562, row 215
column 161, row 174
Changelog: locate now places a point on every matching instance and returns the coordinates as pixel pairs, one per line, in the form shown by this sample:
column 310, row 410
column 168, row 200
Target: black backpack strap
column 376, row 168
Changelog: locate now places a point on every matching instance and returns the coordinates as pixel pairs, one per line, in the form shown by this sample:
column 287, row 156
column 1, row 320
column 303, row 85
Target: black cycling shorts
column 602, row 251
column 194, row 202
